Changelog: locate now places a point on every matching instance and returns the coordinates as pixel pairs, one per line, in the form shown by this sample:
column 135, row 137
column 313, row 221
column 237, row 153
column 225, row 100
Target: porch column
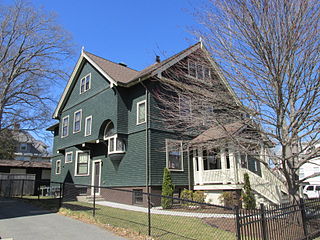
column 223, row 165
column 233, row 164
column 195, row 172
column 200, row 164
column 263, row 159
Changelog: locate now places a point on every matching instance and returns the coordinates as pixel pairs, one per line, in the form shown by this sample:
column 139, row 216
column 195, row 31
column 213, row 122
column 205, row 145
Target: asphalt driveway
column 22, row 221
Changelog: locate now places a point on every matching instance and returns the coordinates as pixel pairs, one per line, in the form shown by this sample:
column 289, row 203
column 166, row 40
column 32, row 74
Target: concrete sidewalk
column 22, row 221
column 164, row 212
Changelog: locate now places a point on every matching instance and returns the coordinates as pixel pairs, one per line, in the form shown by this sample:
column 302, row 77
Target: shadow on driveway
column 22, row 221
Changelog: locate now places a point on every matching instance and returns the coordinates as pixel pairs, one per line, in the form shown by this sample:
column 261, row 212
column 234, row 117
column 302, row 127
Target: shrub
column 198, row 196
column 186, row 194
column 227, row 199
column 249, row 200
column 167, row 189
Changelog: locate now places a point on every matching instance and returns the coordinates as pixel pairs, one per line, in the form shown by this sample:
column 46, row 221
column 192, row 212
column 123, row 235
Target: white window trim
column 167, row 155
column 203, row 66
column 89, row 74
column 74, row 120
column 57, row 168
column 65, row 157
column 63, row 136
column 145, row 112
column 76, row 164
column 85, row 126
column 92, row 178
column 114, row 139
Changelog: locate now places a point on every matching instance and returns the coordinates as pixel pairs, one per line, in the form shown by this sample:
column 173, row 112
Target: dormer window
column 85, row 83
column 197, row 70
column 115, row 143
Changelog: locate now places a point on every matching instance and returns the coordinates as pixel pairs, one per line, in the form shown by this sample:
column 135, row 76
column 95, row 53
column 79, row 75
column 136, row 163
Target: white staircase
column 268, row 186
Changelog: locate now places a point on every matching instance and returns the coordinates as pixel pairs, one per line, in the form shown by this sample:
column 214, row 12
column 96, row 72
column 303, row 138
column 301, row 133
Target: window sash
column 141, row 118
column 77, row 121
column 88, row 126
column 85, row 83
column 83, row 163
column 65, row 126
column 58, row 166
column 68, row 157
column 174, row 155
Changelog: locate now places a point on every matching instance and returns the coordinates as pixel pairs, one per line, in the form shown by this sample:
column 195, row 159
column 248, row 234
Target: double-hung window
column 197, row 70
column 65, row 126
column 141, row 112
column 68, row 157
column 174, row 154
column 82, row 166
column 85, row 83
column 58, row 166
column 77, row 121
column 88, row 126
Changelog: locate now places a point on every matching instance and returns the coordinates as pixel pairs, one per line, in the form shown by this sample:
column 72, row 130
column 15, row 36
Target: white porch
column 224, row 170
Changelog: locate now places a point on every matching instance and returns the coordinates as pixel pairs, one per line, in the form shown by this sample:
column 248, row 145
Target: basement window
column 137, row 196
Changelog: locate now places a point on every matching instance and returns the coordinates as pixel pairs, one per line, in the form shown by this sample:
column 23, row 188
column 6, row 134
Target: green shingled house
column 106, row 135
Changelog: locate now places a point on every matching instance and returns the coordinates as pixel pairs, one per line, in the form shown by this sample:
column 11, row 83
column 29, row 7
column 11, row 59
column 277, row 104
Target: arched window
column 108, row 131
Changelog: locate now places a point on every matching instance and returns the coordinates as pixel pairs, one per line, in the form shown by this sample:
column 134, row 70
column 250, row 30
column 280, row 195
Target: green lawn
column 163, row 226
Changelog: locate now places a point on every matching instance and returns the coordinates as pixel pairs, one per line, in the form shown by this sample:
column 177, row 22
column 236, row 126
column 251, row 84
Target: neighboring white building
column 28, row 148
column 310, row 168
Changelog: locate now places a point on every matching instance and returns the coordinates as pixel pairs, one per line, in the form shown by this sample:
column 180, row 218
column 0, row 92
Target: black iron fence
column 292, row 222
column 141, row 213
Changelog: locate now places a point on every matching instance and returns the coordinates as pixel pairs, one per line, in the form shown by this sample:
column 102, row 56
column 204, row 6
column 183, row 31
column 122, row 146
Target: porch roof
column 219, row 132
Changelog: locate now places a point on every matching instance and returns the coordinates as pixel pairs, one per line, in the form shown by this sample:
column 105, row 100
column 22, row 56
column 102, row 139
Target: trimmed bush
column 249, row 200
column 167, row 189
column 186, row 194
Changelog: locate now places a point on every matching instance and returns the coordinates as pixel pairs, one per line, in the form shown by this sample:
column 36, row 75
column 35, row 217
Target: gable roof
column 123, row 76
column 117, row 71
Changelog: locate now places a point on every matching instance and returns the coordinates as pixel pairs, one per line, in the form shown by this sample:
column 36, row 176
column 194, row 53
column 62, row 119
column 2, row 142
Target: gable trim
column 72, row 78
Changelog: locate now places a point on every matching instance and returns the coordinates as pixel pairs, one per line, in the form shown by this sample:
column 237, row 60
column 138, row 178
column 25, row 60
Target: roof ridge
column 110, row 61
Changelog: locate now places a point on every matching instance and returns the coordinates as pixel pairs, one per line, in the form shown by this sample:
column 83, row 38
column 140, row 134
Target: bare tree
column 32, row 50
column 268, row 51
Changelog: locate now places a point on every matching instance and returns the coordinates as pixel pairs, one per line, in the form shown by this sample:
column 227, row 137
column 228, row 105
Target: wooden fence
column 16, row 184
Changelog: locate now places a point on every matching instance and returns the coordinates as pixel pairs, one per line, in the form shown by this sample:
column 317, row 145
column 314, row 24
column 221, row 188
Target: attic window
column 85, row 83
column 197, row 70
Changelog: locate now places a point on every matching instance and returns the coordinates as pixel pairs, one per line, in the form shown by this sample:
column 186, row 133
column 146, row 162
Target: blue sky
column 125, row 30
column 129, row 31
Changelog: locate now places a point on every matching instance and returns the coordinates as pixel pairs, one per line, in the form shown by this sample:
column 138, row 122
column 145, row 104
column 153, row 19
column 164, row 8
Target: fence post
column 10, row 186
column 60, row 195
column 22, row 188
column 94, row 201
column 238, row 226
column 149, row 216
column 38, row 190
column 304, row 217
column 263, row 222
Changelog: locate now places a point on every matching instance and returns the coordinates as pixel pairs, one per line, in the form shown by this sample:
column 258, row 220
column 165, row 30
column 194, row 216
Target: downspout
column 147, row 137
